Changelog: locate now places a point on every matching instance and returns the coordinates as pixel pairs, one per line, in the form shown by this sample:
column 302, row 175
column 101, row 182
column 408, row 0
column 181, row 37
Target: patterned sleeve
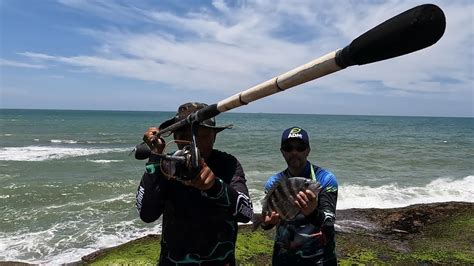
column 234, row 195
column 151, row 193
column 325, row 214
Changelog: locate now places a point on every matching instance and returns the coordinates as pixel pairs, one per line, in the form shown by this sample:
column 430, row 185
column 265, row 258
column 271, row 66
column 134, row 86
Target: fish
column 281, row 198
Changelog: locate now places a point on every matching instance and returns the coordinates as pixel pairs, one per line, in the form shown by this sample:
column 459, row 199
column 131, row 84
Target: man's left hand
column 306, row 201
column 204, row 180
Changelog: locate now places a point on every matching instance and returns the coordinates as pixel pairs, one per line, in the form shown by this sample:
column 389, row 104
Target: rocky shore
column 437, row 233
column 428, row 234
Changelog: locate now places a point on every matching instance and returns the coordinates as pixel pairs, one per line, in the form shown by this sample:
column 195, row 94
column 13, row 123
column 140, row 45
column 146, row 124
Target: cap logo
column 295, row 133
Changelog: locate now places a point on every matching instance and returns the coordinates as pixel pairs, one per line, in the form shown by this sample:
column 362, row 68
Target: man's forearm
column 325, row 213
column 151, row 194
column 234, row 197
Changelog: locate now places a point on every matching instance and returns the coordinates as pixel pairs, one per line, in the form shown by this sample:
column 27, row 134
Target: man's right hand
column 156, row 144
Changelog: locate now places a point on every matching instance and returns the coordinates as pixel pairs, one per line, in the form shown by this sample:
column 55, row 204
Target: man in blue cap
column 309, row 239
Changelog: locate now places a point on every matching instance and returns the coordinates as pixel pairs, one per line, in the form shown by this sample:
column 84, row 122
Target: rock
column 405, row 220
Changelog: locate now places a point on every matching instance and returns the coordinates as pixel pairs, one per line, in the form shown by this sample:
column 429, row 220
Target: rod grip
column 410, row 31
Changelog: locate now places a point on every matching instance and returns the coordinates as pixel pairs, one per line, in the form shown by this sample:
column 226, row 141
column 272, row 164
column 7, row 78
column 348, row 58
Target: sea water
column 67, row 182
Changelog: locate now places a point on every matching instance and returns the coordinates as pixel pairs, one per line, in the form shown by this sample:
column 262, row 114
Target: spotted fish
column 281, row 198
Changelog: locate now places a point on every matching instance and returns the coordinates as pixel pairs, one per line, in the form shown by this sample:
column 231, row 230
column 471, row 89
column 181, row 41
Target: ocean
column 68, row 183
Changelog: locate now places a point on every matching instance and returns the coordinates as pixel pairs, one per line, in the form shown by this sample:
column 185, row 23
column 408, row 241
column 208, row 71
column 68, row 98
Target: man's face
column 205, row 139
column 295, row 152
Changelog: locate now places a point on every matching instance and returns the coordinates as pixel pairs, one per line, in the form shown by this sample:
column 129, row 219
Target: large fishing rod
column 410, row 31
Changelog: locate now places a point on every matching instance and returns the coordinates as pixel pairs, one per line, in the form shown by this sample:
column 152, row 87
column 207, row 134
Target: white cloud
column 226, row 48
column 10, row 63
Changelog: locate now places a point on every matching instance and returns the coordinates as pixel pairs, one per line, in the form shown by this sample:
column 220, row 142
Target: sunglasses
column 300, row 147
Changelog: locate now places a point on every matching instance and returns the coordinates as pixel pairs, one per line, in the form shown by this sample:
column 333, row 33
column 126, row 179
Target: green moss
column 446, row 242
column 142, row 252
column 253, row 245
column 361, row 257
column 363, row 249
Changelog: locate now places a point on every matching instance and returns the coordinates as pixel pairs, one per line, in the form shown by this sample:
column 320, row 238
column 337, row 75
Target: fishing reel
column 183, row 164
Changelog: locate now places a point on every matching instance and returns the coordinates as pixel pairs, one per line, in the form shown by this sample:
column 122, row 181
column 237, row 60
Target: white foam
column 105, row 161
column 106, row 134
column 67, row 141
column 393, row 196
column 14, row 186
column 126, row 198
column 4, row 177
column 52, row 247
column 256, row 196
column 43, row 153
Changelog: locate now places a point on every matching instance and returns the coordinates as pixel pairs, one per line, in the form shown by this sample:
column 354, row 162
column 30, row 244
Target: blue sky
column 154, row 55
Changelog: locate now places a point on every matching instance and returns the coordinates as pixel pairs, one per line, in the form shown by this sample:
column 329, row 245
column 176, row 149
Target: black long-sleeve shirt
column 197, row 225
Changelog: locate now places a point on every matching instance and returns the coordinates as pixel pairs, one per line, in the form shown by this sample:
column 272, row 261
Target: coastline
column 78, row 163
column 432, row 233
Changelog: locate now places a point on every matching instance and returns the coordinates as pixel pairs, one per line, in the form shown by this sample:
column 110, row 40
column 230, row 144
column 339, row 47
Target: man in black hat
column 309, row 239
column 200, row 215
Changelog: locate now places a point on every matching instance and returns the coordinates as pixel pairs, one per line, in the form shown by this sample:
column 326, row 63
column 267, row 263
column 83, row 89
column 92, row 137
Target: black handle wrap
column 207, row 112
column 412, row 30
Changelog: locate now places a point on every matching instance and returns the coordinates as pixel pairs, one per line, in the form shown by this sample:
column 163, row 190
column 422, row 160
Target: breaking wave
column 43, row 153
column 394, row 196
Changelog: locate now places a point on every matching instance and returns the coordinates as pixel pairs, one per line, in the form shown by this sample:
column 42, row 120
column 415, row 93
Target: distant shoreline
column 233, row 112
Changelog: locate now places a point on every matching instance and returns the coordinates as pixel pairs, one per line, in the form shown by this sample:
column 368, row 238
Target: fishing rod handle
column 410, row 31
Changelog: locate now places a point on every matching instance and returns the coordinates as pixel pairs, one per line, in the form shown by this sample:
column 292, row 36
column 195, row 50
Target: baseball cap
column 295, row 133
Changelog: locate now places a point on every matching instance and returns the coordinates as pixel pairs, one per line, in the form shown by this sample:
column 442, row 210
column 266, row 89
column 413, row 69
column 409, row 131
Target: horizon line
column 116, row 110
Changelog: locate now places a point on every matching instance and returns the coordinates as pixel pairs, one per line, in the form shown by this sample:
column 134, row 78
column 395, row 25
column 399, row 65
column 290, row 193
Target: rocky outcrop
column 403, row 222
column 428, row 234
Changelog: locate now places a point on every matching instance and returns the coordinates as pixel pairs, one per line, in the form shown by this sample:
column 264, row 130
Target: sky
column 154, row 55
